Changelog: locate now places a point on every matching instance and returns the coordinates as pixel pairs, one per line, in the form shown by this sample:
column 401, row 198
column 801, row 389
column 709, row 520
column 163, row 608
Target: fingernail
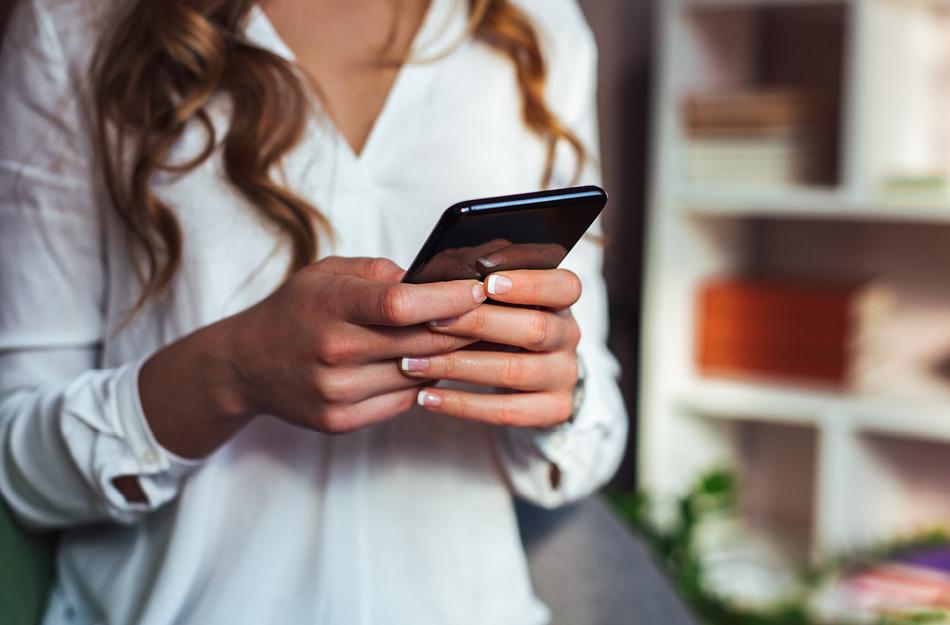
column 499, row 285
column 441, row 323
column 478, row 293
column 425, row 398
column 487, row 262
column 413, row 364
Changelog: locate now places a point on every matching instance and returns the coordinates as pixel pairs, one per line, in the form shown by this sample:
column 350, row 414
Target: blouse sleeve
column 587, row 452
column 66, row 429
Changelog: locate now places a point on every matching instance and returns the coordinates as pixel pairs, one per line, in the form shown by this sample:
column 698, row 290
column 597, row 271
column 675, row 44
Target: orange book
column 795, row 330
column 774, row 360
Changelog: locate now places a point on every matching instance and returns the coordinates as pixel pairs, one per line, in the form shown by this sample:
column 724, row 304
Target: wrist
column 224, row 374
column 190, row 394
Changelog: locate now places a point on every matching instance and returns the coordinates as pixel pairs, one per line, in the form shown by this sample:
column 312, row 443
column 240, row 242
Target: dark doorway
column 624, row 31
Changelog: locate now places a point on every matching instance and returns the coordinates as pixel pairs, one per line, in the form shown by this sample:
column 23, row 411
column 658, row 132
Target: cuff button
column 149, row 457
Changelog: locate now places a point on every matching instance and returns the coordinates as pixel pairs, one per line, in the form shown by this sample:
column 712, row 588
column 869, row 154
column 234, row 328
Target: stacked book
column 789, row 330
column 912, row 584
column 753, row 138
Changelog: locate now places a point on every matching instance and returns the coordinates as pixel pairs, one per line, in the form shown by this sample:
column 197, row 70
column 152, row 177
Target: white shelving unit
column 840, row 470
column 804, row 202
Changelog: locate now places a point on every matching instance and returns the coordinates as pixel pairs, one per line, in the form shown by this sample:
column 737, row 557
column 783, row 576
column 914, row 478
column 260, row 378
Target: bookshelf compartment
column 905, row 353
column 900, row 487
column 758, row 110
column 777, row 474
column 753, row 557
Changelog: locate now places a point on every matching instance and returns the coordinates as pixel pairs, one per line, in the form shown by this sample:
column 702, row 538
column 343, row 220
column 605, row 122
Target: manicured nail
column 441, row 323
column 413, row 364
column 478, row 293
column 487, row 262
column 425, row 398
column 499, row 285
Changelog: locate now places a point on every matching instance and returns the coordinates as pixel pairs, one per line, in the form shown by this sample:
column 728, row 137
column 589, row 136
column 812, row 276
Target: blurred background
column 779, row 264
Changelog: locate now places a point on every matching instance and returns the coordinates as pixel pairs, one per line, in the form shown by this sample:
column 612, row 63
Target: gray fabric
column 590, row 569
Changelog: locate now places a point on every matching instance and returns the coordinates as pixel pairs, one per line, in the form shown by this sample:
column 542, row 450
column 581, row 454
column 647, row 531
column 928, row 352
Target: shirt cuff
column 552, row 467
column 159, row 471
column 558, row 444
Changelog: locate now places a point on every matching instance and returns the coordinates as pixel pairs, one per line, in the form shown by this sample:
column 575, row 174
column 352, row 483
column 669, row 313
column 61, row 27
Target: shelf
column 726, row 4
column 729, row 4
column 746, row 401
column 916, row 420
column 802, row 203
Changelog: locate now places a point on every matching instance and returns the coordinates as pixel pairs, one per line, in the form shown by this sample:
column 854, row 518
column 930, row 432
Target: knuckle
column 381, row 267
column 325, row 263
column 406, row 403
column 322, row 351
column 335, row 420
column 462, row 297
column 334, row 352
column 512, row 372
column 478, row 320
column 445, row 365
column 442, row 343
column 336, row 389
column 396, row 305
column 539, row 330
column 321, row 387
column 458, row 404
column 507, row 413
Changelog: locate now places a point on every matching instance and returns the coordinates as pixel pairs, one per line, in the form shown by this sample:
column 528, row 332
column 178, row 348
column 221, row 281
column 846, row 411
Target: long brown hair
column 156, row 71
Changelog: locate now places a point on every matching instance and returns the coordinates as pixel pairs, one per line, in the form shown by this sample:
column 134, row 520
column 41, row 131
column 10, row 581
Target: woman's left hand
column 541, row 379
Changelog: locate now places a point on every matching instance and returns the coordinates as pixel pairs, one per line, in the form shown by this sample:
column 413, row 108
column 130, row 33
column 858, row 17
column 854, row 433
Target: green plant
column 717, row 493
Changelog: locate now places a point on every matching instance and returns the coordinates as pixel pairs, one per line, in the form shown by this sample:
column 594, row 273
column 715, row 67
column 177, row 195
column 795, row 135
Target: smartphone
column 528, row 231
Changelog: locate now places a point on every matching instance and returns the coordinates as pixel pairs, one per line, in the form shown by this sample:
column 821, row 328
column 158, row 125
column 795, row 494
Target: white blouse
column 408, row 521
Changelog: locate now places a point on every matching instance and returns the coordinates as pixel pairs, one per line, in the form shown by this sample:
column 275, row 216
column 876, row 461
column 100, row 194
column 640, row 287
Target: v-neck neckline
column 435, row 29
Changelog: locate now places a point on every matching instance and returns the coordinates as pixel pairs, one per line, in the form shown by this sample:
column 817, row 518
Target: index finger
column 401, row 304
column 547, row 288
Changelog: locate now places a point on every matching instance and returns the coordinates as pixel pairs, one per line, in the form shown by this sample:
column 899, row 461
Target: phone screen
column 531, row 231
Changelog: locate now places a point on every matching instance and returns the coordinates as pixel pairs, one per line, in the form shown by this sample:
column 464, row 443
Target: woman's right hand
column 323, row 350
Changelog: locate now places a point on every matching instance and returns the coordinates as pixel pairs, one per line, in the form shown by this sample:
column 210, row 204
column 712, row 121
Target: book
column 749, row 110
column 757, row 137
column 791, row 330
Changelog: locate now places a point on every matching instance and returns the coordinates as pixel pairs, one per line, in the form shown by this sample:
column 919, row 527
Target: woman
column 173, row 361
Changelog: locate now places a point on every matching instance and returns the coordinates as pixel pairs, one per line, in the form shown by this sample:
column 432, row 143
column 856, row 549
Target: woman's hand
column 542, row 378
column 322, row 352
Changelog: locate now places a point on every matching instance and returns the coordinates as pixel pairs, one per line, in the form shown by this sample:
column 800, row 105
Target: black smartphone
column 528, row 231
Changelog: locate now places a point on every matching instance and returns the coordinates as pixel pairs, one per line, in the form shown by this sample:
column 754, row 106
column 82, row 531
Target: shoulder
column 562, row 27
column 57, row 30
column 570, row 52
